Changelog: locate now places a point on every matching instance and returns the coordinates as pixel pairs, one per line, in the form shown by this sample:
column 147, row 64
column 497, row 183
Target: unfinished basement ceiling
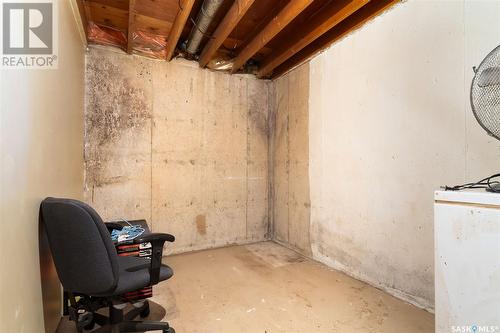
column 263, row 37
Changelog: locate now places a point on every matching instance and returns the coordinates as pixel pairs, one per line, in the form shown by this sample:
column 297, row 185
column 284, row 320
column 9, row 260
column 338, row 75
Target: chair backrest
column 84, row 255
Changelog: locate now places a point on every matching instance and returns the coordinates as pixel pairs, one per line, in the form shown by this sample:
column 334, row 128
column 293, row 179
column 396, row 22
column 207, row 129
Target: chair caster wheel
column 169, row 330
column 86, row 320
column 90, row 326
column 144, row 313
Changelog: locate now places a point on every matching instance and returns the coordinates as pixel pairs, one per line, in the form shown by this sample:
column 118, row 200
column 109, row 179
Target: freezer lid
column 475, row 197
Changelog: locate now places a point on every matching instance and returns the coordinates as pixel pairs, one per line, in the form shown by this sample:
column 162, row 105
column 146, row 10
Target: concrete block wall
column 184, row 148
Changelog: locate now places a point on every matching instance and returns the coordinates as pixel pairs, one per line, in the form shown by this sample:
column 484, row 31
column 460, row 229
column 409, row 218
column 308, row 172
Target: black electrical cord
column 491, row 183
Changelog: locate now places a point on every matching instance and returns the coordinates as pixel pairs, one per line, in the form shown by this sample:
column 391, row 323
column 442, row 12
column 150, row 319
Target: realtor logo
column 29, row 37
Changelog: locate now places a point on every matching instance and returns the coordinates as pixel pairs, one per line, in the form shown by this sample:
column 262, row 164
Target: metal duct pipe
column 203, row 20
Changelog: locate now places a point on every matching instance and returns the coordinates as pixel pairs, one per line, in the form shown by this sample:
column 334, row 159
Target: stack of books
column 143, row 250
column 136, row 250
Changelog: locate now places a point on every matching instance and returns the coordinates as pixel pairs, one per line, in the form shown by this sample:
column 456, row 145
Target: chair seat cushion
column 134, row 274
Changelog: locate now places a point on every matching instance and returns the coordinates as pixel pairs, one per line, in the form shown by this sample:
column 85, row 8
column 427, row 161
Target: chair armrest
column 154, row 237
column 157, row 240
column 112, row 226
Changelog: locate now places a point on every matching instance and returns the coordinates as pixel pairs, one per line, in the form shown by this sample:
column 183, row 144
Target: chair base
column 136, row 326
column 85, row 316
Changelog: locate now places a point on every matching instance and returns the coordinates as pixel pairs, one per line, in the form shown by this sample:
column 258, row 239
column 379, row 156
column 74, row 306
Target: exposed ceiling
column 264, row 37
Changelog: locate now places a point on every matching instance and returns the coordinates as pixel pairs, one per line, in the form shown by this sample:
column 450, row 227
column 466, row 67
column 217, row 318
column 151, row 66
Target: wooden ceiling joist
column 179, row 23
column 278, row 23
column 353, row 22
column 274, row 36
column 336, row 12
column 229, row 22
column 131, row 26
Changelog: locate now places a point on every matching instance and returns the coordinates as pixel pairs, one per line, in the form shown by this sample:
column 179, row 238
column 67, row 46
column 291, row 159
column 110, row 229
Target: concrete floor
column 267, row 288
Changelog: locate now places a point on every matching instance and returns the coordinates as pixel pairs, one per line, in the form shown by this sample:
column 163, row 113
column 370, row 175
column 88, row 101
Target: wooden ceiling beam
column 316, row 26
column 227, row 25
column 179, row 23
column 353, row 22
column 278, row 23
column 131, row 26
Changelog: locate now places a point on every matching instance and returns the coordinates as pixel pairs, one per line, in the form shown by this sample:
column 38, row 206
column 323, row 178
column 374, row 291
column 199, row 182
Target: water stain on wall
column 118, row 102
column 290, row 142
column 333, row 246
column 201, row 224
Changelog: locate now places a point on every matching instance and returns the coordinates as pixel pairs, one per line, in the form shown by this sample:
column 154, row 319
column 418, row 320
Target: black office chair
column 91, row 272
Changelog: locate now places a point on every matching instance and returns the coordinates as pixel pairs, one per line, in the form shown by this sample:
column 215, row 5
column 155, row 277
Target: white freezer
column 467, row 261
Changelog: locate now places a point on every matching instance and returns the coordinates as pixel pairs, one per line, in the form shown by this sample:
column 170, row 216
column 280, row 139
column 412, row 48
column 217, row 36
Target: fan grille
column 485, row 93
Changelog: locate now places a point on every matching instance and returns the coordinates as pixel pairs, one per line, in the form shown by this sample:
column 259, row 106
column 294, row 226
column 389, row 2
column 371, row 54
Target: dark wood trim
column 83, row 17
